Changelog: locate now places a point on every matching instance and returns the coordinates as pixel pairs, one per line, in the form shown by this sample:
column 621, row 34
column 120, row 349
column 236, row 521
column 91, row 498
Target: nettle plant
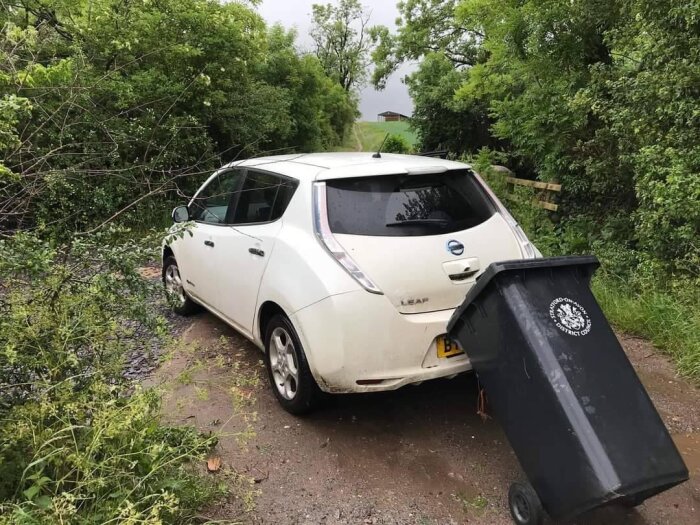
column 73, row 446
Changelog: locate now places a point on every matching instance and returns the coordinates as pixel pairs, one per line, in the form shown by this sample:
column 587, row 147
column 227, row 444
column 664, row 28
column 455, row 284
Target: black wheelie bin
column 557, row 380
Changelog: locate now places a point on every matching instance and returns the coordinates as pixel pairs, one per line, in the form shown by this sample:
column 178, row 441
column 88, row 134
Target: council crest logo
column 569, row 316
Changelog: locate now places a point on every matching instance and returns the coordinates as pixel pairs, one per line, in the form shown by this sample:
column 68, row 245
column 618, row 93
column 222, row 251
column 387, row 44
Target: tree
column 427, row 32
column 341, row 36
column 105, row 103
column 424, row 27
column 321, row 111
column 441, row 121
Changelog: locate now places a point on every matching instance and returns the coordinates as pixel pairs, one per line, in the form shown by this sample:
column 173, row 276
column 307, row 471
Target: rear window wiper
column 419, row 222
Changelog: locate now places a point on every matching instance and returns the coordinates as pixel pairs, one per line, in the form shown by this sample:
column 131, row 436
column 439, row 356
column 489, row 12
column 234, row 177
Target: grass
column 367, row 136
column 667, row 321
column 395, row 128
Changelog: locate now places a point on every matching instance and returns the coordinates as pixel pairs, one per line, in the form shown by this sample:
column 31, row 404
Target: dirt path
column 419, row 455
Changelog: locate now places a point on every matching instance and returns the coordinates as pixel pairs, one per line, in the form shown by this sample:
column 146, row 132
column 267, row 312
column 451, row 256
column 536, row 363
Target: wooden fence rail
column 546, row 197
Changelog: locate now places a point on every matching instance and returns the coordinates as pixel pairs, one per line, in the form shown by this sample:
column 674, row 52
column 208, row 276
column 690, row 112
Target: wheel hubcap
column 284, row 363
column 173, row 285
column 521, row 509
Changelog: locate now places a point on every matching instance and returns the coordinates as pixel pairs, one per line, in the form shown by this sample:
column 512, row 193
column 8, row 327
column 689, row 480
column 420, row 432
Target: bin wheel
column 525, row 505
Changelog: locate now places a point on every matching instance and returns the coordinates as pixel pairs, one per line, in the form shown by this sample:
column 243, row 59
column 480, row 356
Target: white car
column 344, row 268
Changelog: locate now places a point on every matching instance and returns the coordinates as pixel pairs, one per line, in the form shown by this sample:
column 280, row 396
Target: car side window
column 263, row 198
column 212, row 203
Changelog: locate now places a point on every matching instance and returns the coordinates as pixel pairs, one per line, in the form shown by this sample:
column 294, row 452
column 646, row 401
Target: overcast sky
column 297, row 13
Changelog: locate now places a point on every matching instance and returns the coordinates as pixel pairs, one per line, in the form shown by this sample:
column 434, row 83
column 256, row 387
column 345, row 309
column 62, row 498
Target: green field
column 367, row 136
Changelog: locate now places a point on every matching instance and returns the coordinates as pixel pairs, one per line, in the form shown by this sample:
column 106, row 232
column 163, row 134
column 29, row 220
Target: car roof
column 324, row 166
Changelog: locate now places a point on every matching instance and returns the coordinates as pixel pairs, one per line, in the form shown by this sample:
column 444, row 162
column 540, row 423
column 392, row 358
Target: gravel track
column 419, row 455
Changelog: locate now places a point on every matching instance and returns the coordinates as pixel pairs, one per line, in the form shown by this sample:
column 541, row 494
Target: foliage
column 396, row 144
column 441, row 121
column 342, row 44
column 106, row 102
column 75, row 447
column 322, row 111
column 565, row 82
column 425, row 27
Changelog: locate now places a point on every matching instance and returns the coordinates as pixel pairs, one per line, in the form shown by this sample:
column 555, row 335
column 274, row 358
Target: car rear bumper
column 358, row 342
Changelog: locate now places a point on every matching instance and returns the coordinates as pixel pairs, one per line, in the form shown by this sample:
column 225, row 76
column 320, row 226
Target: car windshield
column 407, row 205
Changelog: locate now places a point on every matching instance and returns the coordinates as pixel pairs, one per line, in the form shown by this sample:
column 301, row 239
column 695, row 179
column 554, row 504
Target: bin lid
column 516, row 265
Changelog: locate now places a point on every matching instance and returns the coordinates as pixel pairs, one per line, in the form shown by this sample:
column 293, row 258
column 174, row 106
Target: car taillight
column 325, row 236
column 527, row 249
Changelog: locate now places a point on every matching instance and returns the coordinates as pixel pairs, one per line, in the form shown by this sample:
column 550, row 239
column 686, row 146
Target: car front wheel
column 174, row 290
column 290, row 377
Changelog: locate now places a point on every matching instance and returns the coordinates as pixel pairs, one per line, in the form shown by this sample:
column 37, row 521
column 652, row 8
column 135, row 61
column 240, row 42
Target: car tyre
column 288, row 370
column 524, row 503
column 174, row 290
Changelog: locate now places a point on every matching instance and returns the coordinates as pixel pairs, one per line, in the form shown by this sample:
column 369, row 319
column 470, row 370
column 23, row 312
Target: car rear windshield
column 407, row 205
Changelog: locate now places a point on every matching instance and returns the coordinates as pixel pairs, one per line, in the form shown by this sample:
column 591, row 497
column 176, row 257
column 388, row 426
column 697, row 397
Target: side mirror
column 181, row 214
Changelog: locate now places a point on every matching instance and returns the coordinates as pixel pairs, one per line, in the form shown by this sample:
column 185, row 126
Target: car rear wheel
column 290, row 377
column 174, row 290
column 525, row 505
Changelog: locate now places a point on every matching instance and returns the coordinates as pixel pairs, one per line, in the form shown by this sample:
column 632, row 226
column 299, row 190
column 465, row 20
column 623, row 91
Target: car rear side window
column 263, row 198
column 407, row 205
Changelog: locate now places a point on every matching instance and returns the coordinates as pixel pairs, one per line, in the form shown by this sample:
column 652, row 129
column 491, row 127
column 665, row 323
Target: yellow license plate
column 446, row 347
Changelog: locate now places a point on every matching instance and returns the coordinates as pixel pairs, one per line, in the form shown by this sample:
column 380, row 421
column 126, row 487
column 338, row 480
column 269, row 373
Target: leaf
column 31, row 492
column 213, row 463
column 43, row 502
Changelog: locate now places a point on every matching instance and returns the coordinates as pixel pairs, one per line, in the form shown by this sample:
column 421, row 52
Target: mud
column 419, row 455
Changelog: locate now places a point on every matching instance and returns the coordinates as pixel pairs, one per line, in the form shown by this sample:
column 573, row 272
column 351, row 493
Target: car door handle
column 209, row 243
column 257, row 252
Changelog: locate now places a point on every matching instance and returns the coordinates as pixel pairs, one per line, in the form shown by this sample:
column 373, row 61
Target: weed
column 74, row 448
column 477, row 502
column 202, row 393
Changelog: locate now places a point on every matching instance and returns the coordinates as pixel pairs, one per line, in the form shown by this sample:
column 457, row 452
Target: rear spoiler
column 439, row 153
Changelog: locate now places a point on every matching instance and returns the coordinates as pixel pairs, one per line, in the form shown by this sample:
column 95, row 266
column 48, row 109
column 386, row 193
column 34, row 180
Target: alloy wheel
column 284, row 363
column 173, row 285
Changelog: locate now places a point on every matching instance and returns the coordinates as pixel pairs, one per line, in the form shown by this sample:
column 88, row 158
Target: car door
column 196, row 252
column 243, row 249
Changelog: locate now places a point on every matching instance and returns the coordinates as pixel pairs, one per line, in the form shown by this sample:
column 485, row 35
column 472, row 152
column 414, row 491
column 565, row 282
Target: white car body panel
column 410, row 269
column 383, row 341
column 237, row 273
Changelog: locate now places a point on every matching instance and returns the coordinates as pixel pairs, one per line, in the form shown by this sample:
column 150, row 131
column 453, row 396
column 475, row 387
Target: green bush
column 75, row 447
column 396, row 144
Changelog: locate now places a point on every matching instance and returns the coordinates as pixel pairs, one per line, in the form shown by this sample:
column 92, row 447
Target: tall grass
column 661, row 316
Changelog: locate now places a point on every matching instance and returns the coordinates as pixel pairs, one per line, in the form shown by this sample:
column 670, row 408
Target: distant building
column 391, row 116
